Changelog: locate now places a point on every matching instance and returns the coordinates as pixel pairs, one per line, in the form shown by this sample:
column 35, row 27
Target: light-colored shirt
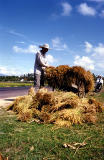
column 99, row 80
column 40, row 62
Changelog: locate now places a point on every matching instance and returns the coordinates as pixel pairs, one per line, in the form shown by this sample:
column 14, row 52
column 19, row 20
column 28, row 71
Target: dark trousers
column 39, row 80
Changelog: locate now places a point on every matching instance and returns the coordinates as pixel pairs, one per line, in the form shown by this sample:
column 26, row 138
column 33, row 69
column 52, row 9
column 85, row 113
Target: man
column 99, row 83
column 99, row 80
column 40, row 65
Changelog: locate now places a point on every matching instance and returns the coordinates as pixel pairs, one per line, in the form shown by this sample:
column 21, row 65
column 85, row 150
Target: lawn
column 100, row 95
column 32, row 141
column 15, row 84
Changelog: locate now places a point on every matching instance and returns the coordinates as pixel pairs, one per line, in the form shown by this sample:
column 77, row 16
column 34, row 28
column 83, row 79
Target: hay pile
column 60, row 108
column 63, row 76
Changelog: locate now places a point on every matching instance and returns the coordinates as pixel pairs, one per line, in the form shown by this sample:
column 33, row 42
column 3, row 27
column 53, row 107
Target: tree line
column 25, row 77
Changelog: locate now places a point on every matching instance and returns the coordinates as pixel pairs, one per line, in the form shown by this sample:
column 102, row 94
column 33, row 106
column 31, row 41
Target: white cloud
column 13, row 32
column 30, row 49
column 3, row 70
column 102, row 14
column 100, row 65
column 85, row 62
column 16, row 33
column 85, row 10
column 88, row 47
column 99, row 50
column 97, row 54
column 67, row 8
column 50, row 58
column 31, row 71
column 9, row 71
column 58, row 45
column 21, row 42
column 97, row 1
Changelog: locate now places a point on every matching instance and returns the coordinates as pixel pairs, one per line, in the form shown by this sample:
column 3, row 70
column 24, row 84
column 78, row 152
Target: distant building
column 22, row 80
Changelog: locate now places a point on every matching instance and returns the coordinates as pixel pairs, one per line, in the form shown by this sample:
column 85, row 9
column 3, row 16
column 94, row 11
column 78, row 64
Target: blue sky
column 74, row 29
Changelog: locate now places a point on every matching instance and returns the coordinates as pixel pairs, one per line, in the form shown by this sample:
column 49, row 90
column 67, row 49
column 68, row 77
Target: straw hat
column 45, row 46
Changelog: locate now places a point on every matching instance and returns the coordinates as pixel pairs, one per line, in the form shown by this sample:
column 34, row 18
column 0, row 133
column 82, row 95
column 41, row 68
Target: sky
column 74, row 29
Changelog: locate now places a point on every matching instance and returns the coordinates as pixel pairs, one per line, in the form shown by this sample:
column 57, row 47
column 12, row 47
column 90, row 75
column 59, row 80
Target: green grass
column 15, row 84
column 32, row 141
column 100, row 96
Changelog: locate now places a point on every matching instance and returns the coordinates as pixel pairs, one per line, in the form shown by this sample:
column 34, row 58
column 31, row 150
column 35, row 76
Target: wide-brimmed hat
column 44, row 46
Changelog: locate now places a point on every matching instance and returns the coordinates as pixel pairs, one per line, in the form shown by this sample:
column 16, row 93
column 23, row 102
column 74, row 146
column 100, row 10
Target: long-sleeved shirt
column 99, row 80
column 40, row 62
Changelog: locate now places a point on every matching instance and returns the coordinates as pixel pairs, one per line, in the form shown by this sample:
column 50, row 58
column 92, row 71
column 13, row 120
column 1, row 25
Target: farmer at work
column 40, row 65
column 99, row 80
column 99, row 83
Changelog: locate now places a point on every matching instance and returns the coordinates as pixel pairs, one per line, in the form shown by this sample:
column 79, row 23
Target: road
column 13, row 91
column 7, row 92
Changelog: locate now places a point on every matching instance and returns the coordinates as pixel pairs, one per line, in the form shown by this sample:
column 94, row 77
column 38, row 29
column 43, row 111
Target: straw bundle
column 73, row 116
column 50, row 76
column 60, row 108
column 81, row 77
column 60, row 77
column 63, row 76
column 31, row 92
column 25, row 115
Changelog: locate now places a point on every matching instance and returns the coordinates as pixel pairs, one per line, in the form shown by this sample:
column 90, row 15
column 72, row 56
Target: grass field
column 15, row 84
column 100, row 95
column 32, row 141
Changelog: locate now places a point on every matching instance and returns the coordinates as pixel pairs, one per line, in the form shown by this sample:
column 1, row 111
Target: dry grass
column 31, row 91
column 25, row 115
column 60, row 108
column 63, row 77
column 2, row 158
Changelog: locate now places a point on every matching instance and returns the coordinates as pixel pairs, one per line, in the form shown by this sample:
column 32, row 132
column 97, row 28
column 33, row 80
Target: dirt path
column 6, row 101
column 3, row 106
